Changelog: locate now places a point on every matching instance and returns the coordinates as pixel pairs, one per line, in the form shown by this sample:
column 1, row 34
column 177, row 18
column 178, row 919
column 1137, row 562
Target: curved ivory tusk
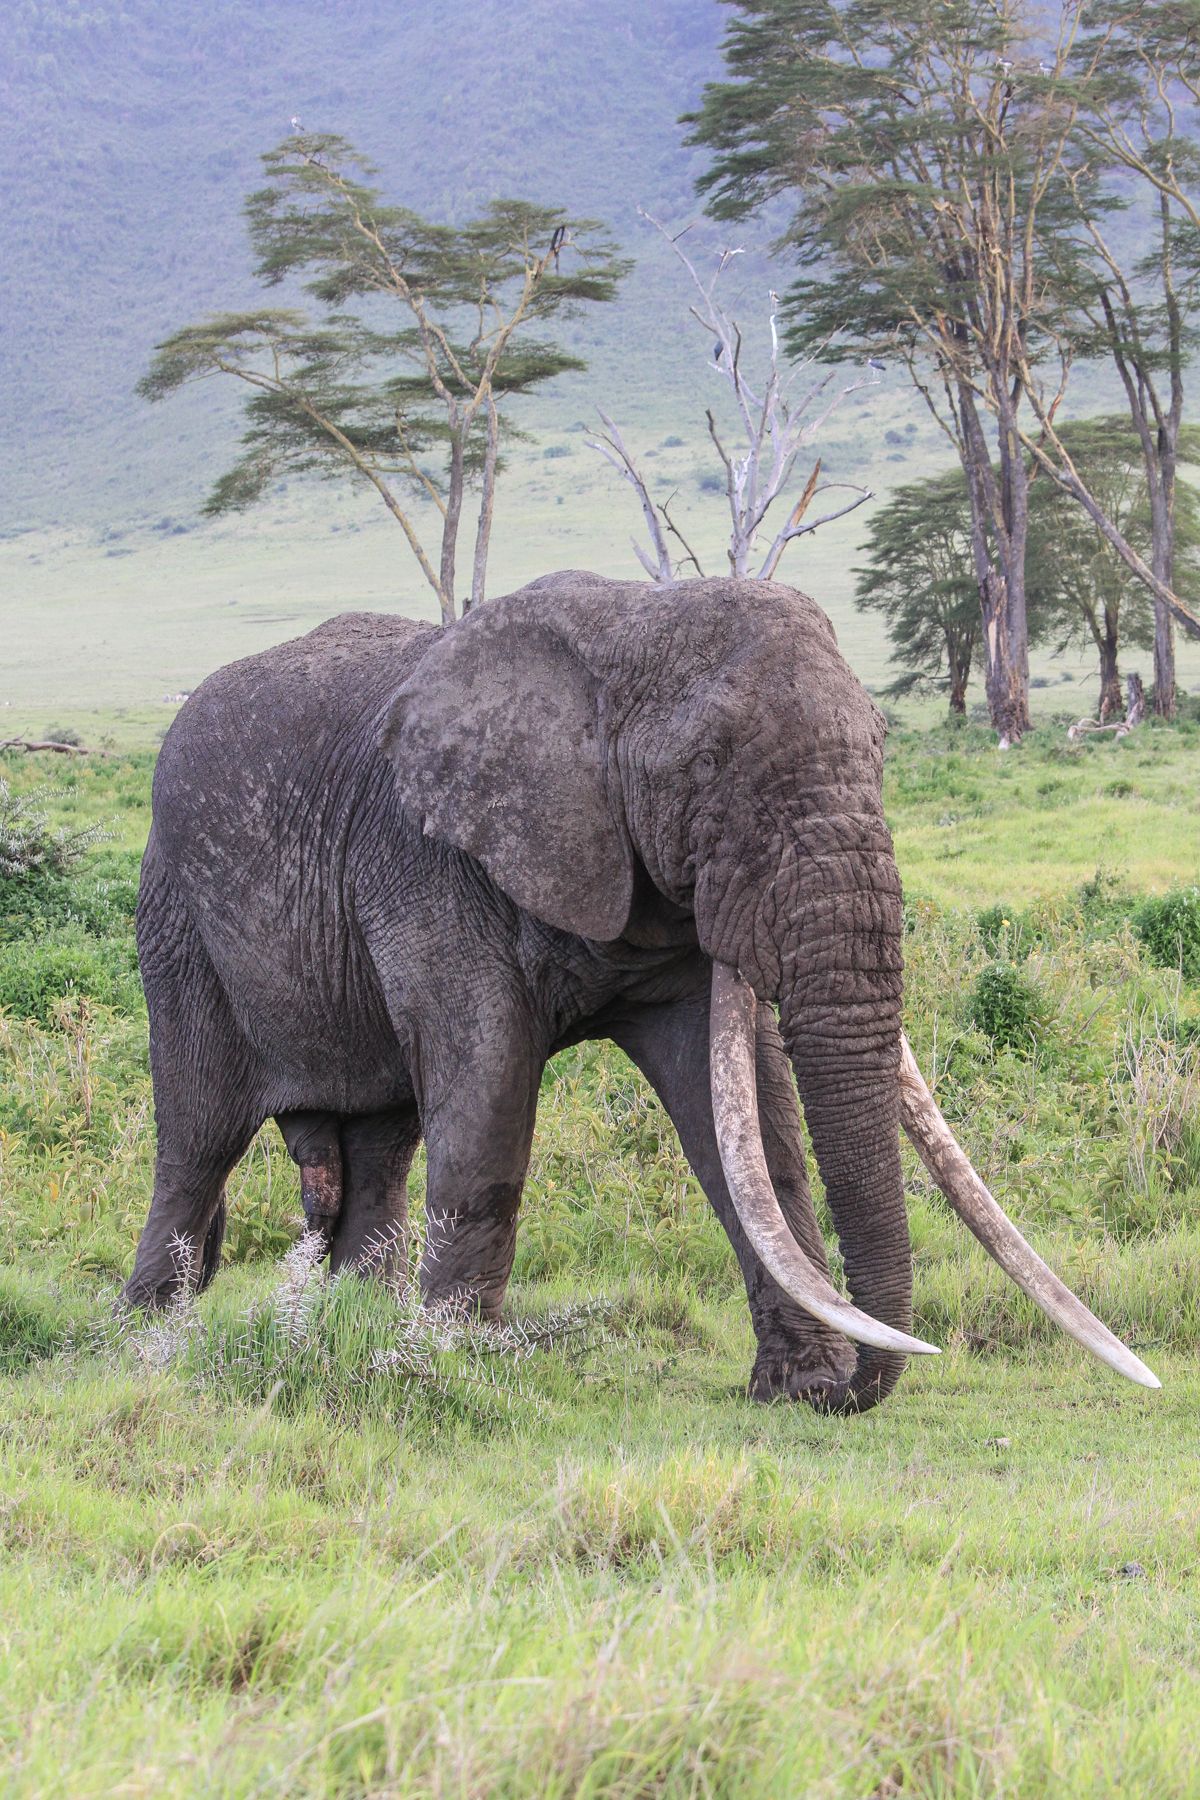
column 735, row 1113
column 947, row 1162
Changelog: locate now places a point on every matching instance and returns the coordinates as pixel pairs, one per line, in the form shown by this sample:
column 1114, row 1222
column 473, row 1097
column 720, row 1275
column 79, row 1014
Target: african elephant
column 393, row 869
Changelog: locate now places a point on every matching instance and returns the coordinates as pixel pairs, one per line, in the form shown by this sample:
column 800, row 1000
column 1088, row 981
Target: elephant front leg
column 478, row 1139
column 797, row 1356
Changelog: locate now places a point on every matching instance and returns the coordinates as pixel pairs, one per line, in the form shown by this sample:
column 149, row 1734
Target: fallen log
column 18, row 743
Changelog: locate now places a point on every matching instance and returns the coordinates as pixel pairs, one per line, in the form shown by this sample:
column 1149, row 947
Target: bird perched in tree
column 296, row 125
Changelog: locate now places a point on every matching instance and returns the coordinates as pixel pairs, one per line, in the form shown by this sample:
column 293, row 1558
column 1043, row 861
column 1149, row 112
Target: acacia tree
column 921, row 146
column 918, row 575
column 774, row 426
column 1141, row 65
column 411, row 404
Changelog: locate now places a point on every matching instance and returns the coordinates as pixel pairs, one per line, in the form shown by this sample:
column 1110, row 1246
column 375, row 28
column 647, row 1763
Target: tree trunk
column 1110, row 677
column 1001, row 583
column 959, row 665
column 1164, row 659
column 454, row 500
column 1160, row 480
column 483, row 535
column 1007, row 671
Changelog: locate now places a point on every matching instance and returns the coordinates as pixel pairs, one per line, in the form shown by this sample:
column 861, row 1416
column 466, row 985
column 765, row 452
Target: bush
column 28, row 844
column 999, row 927
column 36, row 972
column 101, row 898
column 1007, row 1008
column 1104, row 904
column 1169, row 927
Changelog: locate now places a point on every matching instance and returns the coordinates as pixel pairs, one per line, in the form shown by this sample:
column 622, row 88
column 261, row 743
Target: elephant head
column 614, row 752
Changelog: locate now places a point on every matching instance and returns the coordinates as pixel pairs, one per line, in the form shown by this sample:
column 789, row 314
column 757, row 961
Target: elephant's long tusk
column 739, row 1139
column 947, row 1162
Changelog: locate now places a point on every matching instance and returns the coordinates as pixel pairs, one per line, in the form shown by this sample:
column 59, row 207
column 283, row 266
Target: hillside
column 134, row 133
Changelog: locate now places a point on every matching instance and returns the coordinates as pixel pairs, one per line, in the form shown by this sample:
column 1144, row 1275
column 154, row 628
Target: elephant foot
column 809, row 1374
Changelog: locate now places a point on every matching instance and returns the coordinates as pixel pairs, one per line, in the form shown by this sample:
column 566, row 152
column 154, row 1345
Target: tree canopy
column 425, row 331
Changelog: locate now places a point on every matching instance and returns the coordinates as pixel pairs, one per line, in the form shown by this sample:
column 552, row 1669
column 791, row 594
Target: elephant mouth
column 739, row 1139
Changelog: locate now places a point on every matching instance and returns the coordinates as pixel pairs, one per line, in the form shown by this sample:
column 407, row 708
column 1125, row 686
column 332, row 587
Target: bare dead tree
column 1135, row 712
column 776, row 425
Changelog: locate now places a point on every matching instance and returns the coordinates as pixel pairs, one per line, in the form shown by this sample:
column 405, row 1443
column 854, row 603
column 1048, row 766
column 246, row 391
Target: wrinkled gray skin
column 393, row 869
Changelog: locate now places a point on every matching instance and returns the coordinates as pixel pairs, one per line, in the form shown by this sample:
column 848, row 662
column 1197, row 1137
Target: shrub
column 1007, row 1007
column 28, row 844
column 36, row 972
column 1169, row 927
column 1103, row 902
column 101, row 897
column 999, row 926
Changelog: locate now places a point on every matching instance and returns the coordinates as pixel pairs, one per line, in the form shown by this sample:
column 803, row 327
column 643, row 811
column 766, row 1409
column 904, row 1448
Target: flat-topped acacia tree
column 425, row 330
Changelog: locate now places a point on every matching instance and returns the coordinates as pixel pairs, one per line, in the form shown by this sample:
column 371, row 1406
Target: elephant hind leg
column 206, row 1104
column 371, row 1232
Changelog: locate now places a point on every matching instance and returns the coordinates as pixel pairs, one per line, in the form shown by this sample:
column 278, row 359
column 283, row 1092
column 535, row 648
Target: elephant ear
column 496, row 742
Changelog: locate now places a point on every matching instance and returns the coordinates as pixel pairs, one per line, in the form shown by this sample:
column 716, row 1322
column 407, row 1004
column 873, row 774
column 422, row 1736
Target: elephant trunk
column 847, row 1082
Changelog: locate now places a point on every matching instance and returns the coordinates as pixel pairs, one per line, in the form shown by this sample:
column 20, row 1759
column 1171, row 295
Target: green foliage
column 1078, row 589
column 30, row 848
column 1006, row 1007
column 1169, row 926
column 99, row 897
column 918, row 574
column 870, row 124
column 36, row 973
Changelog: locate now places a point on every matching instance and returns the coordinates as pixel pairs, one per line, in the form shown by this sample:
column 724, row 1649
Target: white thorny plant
column 384, row 1334
column 159, row 1339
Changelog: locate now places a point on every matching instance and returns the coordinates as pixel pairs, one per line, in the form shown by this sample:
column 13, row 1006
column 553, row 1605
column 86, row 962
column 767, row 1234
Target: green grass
column 295, row 1541
column 974, row 825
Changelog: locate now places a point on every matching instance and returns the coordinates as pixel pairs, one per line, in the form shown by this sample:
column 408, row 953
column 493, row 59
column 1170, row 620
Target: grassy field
column 294, row 1541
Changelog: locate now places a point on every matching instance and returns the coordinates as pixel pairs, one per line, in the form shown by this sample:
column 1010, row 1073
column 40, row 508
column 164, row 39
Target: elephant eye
column 704, row 766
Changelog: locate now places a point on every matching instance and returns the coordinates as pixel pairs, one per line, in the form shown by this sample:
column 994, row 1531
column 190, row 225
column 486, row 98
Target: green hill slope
column 134, row 131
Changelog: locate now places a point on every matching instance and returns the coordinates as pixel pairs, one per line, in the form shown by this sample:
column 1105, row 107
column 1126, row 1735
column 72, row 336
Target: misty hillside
column 133, row 131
